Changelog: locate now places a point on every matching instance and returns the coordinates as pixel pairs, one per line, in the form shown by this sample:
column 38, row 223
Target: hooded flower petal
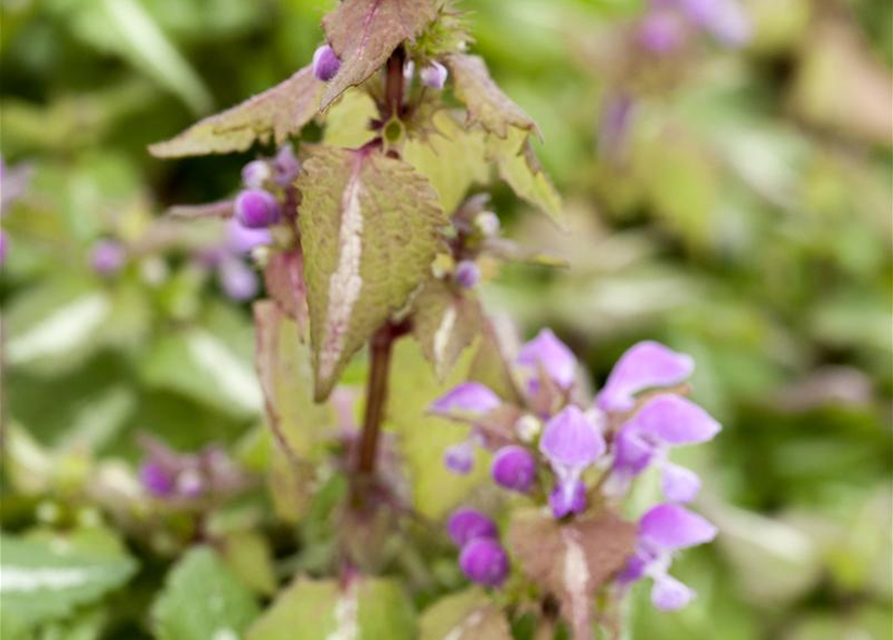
column 468, row 397
column 645, row 365
column 679, row 484
column 675, row 421
column 570, row 440
column 632, row 453
column 550, row 353
column 669, row 527
column 668, row 594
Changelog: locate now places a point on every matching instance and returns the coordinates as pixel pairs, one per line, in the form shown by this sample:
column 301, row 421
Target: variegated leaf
column 274, row 114
column 284, row 280
column 445, row 321
column 519, row 167
column 572, row 560
column 486, row 103
column 469, row 615
column 370, row 228
column 364, row 33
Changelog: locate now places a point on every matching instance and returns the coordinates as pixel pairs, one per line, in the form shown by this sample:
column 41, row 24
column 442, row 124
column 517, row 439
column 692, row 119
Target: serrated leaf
column 274, row 114
column 283, row 363
column 452, row 158
column 445, row 321
column 572, row 560
column 486, row 103
column 469, row 615
column 202, row 600
column 370, row 228
column 364, row 609
column 519, row 167
column 42, row 581
column 364, row 33
column 424, row 438
column 250, row 558
column 284, row 281
column 347, row 120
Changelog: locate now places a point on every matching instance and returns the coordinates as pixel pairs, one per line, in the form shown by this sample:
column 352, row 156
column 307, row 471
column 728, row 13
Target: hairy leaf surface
column 468, row 615
column 370, row 228
column 445, row 322
column 572, row 560
column 486, row 103
column 364, row 33
column 274, row 114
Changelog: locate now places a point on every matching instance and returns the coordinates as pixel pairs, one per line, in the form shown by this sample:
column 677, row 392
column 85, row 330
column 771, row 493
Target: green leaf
column 283, row 363
column 202, row 600
column 44, row 580
column 364, row 33
column 274, row 114
column 486, row 103
column 347, row 120
column 423, row 438
column 366, row 609
column 469, row 615
column 572, row 560
column 248, row 555
column 518, row 166
column 370, row 229
column 446, row 320
column 452, row 158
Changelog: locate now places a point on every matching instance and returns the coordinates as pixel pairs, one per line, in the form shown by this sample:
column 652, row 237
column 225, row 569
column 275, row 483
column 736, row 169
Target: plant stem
column 376, row 398
column 394, row 84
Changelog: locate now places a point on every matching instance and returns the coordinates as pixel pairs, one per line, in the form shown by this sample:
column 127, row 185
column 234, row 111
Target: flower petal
column 459, row 458
column 670, row 527
column 668, row 594
column 468, row 397
column 645, row 365
column 632, row 453
column 675, row 421
column 571, row 440
column 679, row 484
column 550, row 353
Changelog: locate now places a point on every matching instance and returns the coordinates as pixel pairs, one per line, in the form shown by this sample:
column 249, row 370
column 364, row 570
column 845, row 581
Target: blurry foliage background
column 749, row 224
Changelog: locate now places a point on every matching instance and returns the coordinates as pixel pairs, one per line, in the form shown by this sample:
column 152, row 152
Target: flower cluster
column 482, row 558
column 631, row 424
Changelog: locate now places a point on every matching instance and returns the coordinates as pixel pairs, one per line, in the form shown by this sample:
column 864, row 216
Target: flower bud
column 488, row 223
column 467, row 274
column 459, row 458
column 528, row 427
column 467, row 524
column 107, row 257
column 484, row 561
column 434, row 75
column 255, row 174
column 257, row 209
column 156, row 479
column 514, row 468
column 285, row 166
column 325, row 63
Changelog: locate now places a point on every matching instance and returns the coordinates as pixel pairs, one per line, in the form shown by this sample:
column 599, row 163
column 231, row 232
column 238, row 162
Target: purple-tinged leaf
column 274, row 115
column 364, row 33
column 284, row 279
column 445, row 321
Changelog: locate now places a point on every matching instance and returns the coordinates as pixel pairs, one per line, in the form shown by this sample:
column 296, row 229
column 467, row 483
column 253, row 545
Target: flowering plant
column 370, row 235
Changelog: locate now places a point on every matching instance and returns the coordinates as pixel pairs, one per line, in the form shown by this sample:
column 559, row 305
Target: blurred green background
column 747, row 222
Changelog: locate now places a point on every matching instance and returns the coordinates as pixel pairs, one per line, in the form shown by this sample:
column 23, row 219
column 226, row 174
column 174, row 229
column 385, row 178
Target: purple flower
column 325, row 63
column 484, row 561
column 241, row 239
column 107, row 257
column 459, row 458
column 645, row 365
column 725, row 20
column 257, row 209
column 572, row 442
column 255, row 174
column 285, row 166
column 679, row 484
column 664, row 530
column 190, row 483
column 434, row 75
column 673, row 420
column 546, row 351
column 467, row 274
column 514, row 468
column 156, row 479
column 467, row 524
column 238, row 281
column 468, row 397
column 662, row 32
column 615, row 124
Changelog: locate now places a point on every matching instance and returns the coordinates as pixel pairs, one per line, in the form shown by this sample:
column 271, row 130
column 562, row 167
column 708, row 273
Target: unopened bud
column 434, row 75
column 325, row 63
